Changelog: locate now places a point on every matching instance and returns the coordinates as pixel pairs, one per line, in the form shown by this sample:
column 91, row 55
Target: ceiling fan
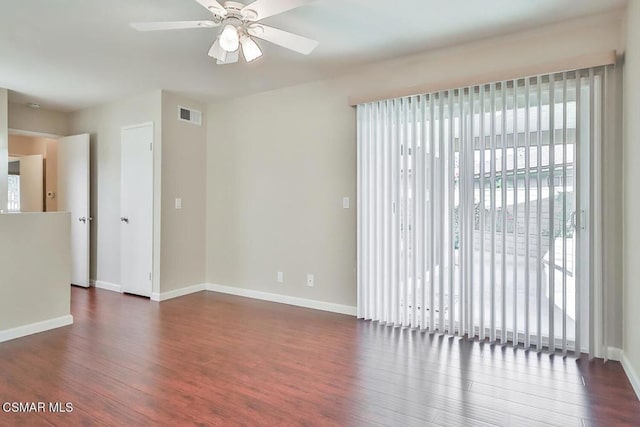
column 240, row 25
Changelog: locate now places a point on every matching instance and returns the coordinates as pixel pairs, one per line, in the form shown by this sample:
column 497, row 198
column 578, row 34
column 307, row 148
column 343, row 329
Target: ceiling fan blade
column 282, row 38
column 261, row 9
column 214, row 7
column 232, row 58
column 217, row 51
column 172, row 25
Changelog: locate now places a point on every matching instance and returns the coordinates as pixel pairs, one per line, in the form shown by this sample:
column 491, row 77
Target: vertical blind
column 473, row 209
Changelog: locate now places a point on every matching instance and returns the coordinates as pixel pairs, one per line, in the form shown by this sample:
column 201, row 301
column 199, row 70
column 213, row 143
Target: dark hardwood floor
column 213, row 359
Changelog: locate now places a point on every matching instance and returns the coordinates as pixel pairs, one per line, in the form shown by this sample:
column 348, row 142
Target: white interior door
column 73, row 196
column 137, row 209
column 31, row 183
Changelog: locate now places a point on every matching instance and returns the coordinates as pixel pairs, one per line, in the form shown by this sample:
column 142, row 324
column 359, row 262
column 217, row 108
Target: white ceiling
column 69, row 54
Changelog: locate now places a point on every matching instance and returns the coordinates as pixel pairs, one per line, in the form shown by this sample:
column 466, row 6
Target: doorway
column 51, row 174
column 32, row 173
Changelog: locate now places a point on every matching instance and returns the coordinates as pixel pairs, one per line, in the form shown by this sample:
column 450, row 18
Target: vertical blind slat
column 604, row 129
column 375, row 198
column 388, row 217
column 441, row 213
column 481, row 311
column 591, row 148
column 539, row 219
column 564, row 212
column 360, row 185
column 504, row 188
column 414, row 212
column 425, row 212
column 515, row 161
column 492, row 197
column 472, row 199
column 527, row 209
column 396, row 213
column 461, row 226
column 432, row 211
column 451, row 213
column 577, row 148
column 404, row 207
column 552, row 192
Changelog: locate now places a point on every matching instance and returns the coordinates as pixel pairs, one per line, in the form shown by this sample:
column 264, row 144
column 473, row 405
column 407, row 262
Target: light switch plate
column 345, row 202
column 178, row 203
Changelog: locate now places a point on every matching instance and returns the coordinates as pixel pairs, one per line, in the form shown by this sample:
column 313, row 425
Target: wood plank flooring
column 213, row 359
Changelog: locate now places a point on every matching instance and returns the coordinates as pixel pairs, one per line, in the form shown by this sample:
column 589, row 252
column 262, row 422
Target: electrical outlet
column 310, row 280
column 280, row 277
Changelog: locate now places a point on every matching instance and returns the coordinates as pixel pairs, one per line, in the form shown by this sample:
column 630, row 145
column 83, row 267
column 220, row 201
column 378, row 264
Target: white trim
column 139, row 125
column 34, row 328
column 32, row 133
column 283, row 299
column 614, row 353
column 634, row 379
column 106, row 286
column 163, row 296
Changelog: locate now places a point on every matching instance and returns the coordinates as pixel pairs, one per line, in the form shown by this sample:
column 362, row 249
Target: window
column 14, row 193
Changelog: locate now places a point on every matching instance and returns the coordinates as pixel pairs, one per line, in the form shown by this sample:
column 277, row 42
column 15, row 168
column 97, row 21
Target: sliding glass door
column 474, row 209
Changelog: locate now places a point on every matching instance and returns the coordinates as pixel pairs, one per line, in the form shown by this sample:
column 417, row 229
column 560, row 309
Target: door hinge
column 149, row 276
column 151, row 146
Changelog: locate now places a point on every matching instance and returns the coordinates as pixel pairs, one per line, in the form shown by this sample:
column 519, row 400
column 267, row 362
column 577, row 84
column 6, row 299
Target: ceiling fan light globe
column 229, row 38
column 250, row 49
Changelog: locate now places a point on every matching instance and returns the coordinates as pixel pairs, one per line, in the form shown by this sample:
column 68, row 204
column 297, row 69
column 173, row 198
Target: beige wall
column 104, row 123
column 278, row 163
column 183, row 176
column 4, row 145
column 35, row 268
column 44, row 121
column 631, row 197
column 23, row 145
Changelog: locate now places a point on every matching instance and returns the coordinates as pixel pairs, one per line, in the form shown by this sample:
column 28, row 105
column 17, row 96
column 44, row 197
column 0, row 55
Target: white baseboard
column 106, row 286
column 163, row 296
column 614, row 353
column 34, row 328
column 283, row 299
column 249, row 293
column 634, row 379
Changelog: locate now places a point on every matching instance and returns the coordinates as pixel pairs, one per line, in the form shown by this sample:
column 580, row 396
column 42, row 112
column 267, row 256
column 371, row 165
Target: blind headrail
column 567, row 64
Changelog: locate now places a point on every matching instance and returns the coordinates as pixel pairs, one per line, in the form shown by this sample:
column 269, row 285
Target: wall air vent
column 189, row 115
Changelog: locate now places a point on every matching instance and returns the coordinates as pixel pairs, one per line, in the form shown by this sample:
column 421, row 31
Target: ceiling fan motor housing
column 235, row 9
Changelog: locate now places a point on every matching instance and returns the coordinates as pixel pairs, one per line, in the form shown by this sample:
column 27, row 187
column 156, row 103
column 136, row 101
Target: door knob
column 124, row 219
column 82, row 219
